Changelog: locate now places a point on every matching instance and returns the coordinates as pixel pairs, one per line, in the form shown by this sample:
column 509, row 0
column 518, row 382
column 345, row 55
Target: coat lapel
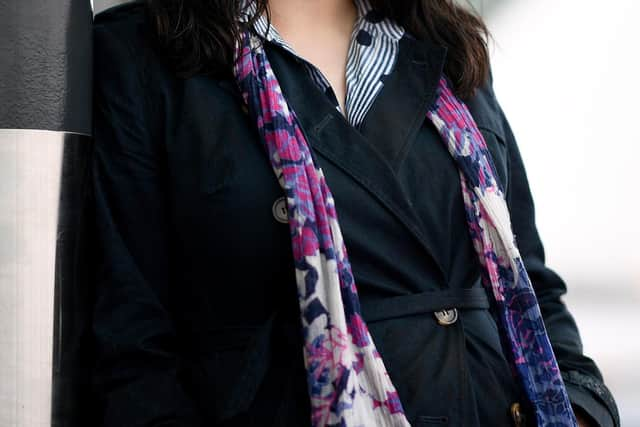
column 401, row 107
column 368, row 155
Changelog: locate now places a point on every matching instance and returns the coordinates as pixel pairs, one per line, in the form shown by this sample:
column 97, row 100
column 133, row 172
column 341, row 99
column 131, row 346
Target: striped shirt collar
column 369, row 61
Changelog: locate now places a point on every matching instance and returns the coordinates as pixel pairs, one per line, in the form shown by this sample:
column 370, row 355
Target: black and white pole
column 45, row 140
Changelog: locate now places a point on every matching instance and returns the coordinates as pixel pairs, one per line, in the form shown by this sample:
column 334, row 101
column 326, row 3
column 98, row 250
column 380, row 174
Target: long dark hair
column 198, row 36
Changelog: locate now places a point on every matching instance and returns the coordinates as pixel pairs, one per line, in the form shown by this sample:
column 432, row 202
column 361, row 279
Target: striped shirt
column 373, row 51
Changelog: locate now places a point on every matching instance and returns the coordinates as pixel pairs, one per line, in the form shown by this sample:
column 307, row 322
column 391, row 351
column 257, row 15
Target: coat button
column 279, row 210
column 519, row 419
column 447, row 317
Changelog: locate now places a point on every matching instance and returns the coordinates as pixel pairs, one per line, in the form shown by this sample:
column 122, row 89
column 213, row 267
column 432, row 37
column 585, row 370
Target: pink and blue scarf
column 347, row 381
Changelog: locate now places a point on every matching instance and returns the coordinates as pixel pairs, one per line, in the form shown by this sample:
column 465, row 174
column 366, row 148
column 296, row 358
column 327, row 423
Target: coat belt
column 426, row 302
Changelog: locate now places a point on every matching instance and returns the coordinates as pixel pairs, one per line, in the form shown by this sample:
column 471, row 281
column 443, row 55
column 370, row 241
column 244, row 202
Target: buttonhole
column 322, row 124
column 430, row 420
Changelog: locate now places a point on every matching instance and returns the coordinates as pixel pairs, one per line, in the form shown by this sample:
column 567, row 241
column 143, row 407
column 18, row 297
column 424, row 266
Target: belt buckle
column 446, row 317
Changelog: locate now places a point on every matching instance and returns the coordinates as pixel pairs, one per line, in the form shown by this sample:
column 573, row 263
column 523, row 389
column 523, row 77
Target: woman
column 226, row 292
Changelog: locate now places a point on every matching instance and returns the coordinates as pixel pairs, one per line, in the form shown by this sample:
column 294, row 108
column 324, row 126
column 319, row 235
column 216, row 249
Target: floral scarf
column 347, row 381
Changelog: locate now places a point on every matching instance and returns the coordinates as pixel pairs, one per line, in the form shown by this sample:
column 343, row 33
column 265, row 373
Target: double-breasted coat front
column 196, row 318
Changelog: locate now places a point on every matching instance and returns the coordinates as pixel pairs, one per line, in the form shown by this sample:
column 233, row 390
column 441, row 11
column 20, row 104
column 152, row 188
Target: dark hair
column 198, row 36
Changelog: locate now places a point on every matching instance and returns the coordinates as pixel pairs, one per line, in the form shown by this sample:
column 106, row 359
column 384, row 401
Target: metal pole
column 45, row 127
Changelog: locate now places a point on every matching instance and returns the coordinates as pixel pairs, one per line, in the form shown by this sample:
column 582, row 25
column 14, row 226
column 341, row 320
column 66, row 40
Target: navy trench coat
column 196, row 317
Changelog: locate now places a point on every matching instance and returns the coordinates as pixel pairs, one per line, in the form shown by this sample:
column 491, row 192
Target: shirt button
column 279, row 210
column 517, row 415
column 447, row 317
column 364, row 38
column 374, row 16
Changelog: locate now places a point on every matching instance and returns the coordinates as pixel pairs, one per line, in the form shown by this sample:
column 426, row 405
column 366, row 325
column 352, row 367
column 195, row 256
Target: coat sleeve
column 582, row 377
column 135, row 375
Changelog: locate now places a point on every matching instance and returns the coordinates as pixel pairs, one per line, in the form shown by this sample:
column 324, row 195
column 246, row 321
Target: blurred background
column 565, row 74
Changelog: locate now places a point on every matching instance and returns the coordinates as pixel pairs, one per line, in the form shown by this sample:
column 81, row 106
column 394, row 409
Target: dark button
column 519, row 420
column 364, row 38
column 447, row 317
column 374, row 16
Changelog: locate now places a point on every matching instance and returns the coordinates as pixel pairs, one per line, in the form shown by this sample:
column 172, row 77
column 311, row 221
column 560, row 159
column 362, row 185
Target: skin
column 320, row 31
column 582, row 418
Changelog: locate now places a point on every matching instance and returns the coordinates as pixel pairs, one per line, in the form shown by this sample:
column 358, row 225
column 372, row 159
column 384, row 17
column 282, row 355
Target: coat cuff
column 593, row 397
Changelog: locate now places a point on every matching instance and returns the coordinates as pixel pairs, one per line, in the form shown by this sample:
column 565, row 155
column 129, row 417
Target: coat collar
column 370, row 155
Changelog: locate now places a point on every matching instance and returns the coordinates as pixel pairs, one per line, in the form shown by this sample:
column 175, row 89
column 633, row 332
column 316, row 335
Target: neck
column 311, row 13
